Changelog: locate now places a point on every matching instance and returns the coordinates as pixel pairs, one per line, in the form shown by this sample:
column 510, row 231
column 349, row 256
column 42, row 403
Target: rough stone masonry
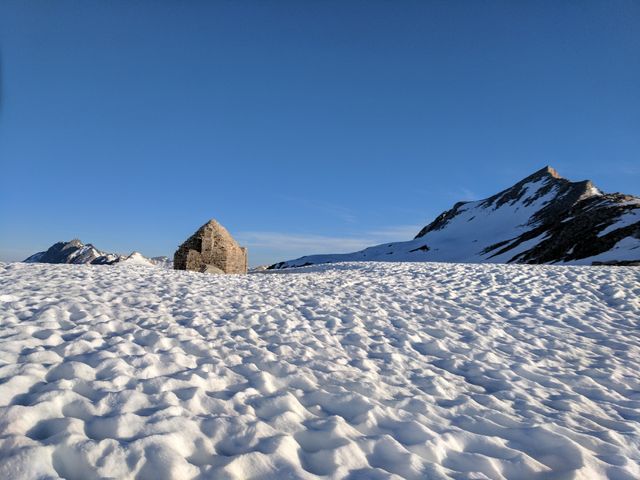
column 211, row 249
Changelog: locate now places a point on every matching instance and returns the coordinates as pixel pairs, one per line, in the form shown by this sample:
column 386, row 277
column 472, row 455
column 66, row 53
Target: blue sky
column 303, row 127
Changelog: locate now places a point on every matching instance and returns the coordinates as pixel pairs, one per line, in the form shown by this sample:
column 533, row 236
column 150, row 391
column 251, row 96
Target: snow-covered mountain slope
column 73, row 252
column 367, row 370
column 164, row 262
column 541, row 219
column 77, row 252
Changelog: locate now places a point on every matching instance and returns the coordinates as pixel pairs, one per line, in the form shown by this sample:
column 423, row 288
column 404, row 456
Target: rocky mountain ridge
column 544, row 218
column 76, row 252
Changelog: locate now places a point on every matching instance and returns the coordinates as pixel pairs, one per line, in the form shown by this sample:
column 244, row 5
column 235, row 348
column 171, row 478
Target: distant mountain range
column 77, row 252
column 543, row 218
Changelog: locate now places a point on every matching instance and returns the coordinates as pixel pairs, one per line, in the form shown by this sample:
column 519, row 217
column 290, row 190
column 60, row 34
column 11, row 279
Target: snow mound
column 368, row 370
column 136, row 258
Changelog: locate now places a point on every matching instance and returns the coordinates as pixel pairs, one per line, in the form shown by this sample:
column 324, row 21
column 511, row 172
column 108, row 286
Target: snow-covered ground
column 368, row 370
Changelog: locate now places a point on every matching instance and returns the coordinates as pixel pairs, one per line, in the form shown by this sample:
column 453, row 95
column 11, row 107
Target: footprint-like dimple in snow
column 45, row 429
column 119, row 427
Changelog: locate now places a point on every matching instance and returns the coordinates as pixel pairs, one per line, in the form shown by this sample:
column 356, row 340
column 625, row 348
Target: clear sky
column 305, row 126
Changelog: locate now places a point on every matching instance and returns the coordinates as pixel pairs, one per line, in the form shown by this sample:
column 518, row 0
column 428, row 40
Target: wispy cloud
column 309, row 244
column 345, row 214
column 465, row 195
column 460, row 194
column 269, row 247
column 629, row 169
column 395, row 233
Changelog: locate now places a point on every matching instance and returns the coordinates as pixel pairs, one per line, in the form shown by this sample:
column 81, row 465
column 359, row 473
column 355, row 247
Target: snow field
column 369, row 370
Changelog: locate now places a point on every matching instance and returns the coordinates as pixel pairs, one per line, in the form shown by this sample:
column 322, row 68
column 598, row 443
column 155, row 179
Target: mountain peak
column 549, row 170
column 544, row 172
column 75, row 242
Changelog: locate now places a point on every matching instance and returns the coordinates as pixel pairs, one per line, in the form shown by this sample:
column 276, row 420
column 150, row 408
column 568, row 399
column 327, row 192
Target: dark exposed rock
column 211, row 249
column 575, row 233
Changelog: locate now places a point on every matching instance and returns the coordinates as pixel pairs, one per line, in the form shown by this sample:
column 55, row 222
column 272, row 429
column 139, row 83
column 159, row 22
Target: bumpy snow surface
column 367, row 370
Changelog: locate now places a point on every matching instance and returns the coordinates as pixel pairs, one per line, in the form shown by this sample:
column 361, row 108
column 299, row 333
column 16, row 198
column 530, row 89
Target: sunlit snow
column 368, row 370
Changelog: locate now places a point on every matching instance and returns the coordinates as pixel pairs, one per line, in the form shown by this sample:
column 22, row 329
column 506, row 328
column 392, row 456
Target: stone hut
column 211, row 249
